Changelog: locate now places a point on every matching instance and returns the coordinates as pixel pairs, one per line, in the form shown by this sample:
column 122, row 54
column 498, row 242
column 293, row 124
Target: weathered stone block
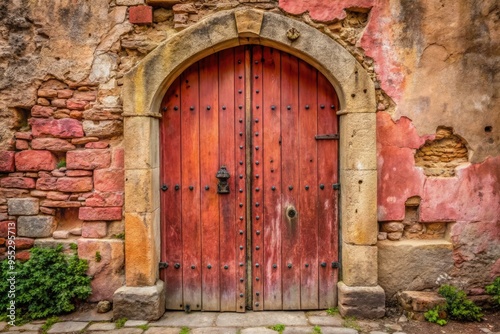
column 57, row 196
column 248, row 22
column 35, row 226
column 97, row 145
column 35, row 160
column 93, row 214
column 412, row 264
column 141, row 14
column 41, row 111
column 52, row 144
column 103, row 129
column 7, row 161
column 60, row 204
column 140, row 303
column 359, row 265
column 392, row 227
column 94, row 229
column 74, row 173
column 74, row 184
column 23, row 206
column 46, row 183
column 90, row 95
column 75, row 104
column 146, row 200
column 60, row 128
column 60, row 235
column 109, row 180
column 6, row 226
column 17, row 182
column 106, row 270
column 24, row 243
column 361, row 301
column 22, row 145
column 419, row 301
column 141, row 152
column 88, row 159
column 105, row 199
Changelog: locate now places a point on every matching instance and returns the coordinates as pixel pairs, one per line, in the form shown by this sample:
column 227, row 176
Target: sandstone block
column 103, row 129
column 84, row 140
column 394, row 235
column 52, row 144
column 47, row 92
column 74, row 184
column 41, row 111
column 248, row 22
column 59, row 128
column 35, row 226
column 7, row 161
column 13, row 192
column 76, row 231
column 64, row 93
column 90, row 95
column 46, row 183
column 98, row 145
column 47, row 211
column 420, row 301
column 412, row 264
column 24, row 243
column 141, row 152
column 361, row 301
column 88, row 159
column 35, row 160
column 93, row 214
column 22, row 144
column 74, row 173
column 109, row 180
column 107, row 271
column 94, row 229
column 392, row 227
column 58, row 103
column 22, row 135
column 23, row 255
column 118, row 158
column 75, row 104
column 60, row 204
column 17, row 182
column 23, row 206
column 141, row 14
column 359, row 265
column 57, row 196
column 104, row 199
column 129, row 2
column 5, row 226
column 60, row 235
column 140, row 303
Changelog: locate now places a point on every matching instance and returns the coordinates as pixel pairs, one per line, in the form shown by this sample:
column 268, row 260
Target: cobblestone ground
column 220, row 323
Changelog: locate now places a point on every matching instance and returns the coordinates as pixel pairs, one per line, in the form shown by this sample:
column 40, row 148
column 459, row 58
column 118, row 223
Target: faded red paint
column 324, row 11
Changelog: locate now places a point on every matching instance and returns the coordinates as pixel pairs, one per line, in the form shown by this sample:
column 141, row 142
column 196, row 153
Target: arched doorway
column 249, row 174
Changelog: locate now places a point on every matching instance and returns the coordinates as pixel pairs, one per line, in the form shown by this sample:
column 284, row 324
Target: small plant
column 144, row 327
column 48, row 324
column 434, row 316
column 98, row 256
column 73, row 246
column 119, row 323
column 332, row 311
column 120, row 236
column 458, row 306
column 317, row 330
column 278, row 328
column 61, row 163
column 350, row 322
column 185, row 330
column 494, row 289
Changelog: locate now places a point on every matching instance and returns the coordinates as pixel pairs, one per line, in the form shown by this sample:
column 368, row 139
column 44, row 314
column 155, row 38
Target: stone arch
column 144, row 87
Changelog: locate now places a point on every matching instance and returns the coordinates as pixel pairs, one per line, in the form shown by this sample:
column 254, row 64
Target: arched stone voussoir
column 146, row 83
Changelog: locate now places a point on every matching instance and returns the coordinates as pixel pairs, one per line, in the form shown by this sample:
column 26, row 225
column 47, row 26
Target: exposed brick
column 46, row 183
column 109, row 180
column 5, row 226
column 78, row 172
column 60, row 204
column 57, row 196
column 13, row 192
column 22, row 145
column 17, row 182
column 23, row 135
column 64, row 93
column 7, row 161
column 43, row 101
column 52, row 144
column 35, row 160
column 75, row 104
column 141, row 15
column 38, row 193
column 104, row 199
column 85, row 96
column 98, row 144
column 47, row 92
column 97, row 229
column 88, row 159
column 41, row 111
column 60, row 128
column 24, row 243
column 59, row 103
column 74, row 184
column 35, row 226
column 23, row 206
column 93, row 214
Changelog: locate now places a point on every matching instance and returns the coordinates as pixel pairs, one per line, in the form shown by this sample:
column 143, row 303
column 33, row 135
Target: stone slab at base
column 416, row 303
column 361, row 301
column 140, row 303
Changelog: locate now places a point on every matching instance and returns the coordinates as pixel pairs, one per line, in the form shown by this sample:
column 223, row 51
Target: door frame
column 143, row 90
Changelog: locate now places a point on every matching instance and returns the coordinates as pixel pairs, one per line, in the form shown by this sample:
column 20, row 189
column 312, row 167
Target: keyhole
column 291, row 213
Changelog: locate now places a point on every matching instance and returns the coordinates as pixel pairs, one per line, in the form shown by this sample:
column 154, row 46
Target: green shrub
column 494, row 289
column 433, row 315
column 458, row 306
column 49, row 283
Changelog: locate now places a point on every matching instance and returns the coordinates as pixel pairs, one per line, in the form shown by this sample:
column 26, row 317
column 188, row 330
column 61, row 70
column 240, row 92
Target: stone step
column 416, row 303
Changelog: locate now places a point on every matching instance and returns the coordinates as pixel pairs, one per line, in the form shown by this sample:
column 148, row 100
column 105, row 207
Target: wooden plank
column 327, row 198
column 209, row 164
column 191, row 236
column 257, row 193
column 239, row 177
column 271, row 174
column 227, row 145
column 291, row 247
column 171, row 225
column 308, row 184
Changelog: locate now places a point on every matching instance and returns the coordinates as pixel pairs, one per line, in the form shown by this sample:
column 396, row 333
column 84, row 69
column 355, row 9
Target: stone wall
column 61, row 156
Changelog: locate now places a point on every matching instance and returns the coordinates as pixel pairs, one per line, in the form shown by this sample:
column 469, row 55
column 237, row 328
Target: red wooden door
column 271, row 242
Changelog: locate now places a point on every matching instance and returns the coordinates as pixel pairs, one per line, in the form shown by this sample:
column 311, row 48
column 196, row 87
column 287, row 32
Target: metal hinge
column 334, row 136
column 163, row 265
column 336, row 186
column 335, row 264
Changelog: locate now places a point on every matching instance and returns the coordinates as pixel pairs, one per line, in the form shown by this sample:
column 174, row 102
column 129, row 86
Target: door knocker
column 223, row 175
